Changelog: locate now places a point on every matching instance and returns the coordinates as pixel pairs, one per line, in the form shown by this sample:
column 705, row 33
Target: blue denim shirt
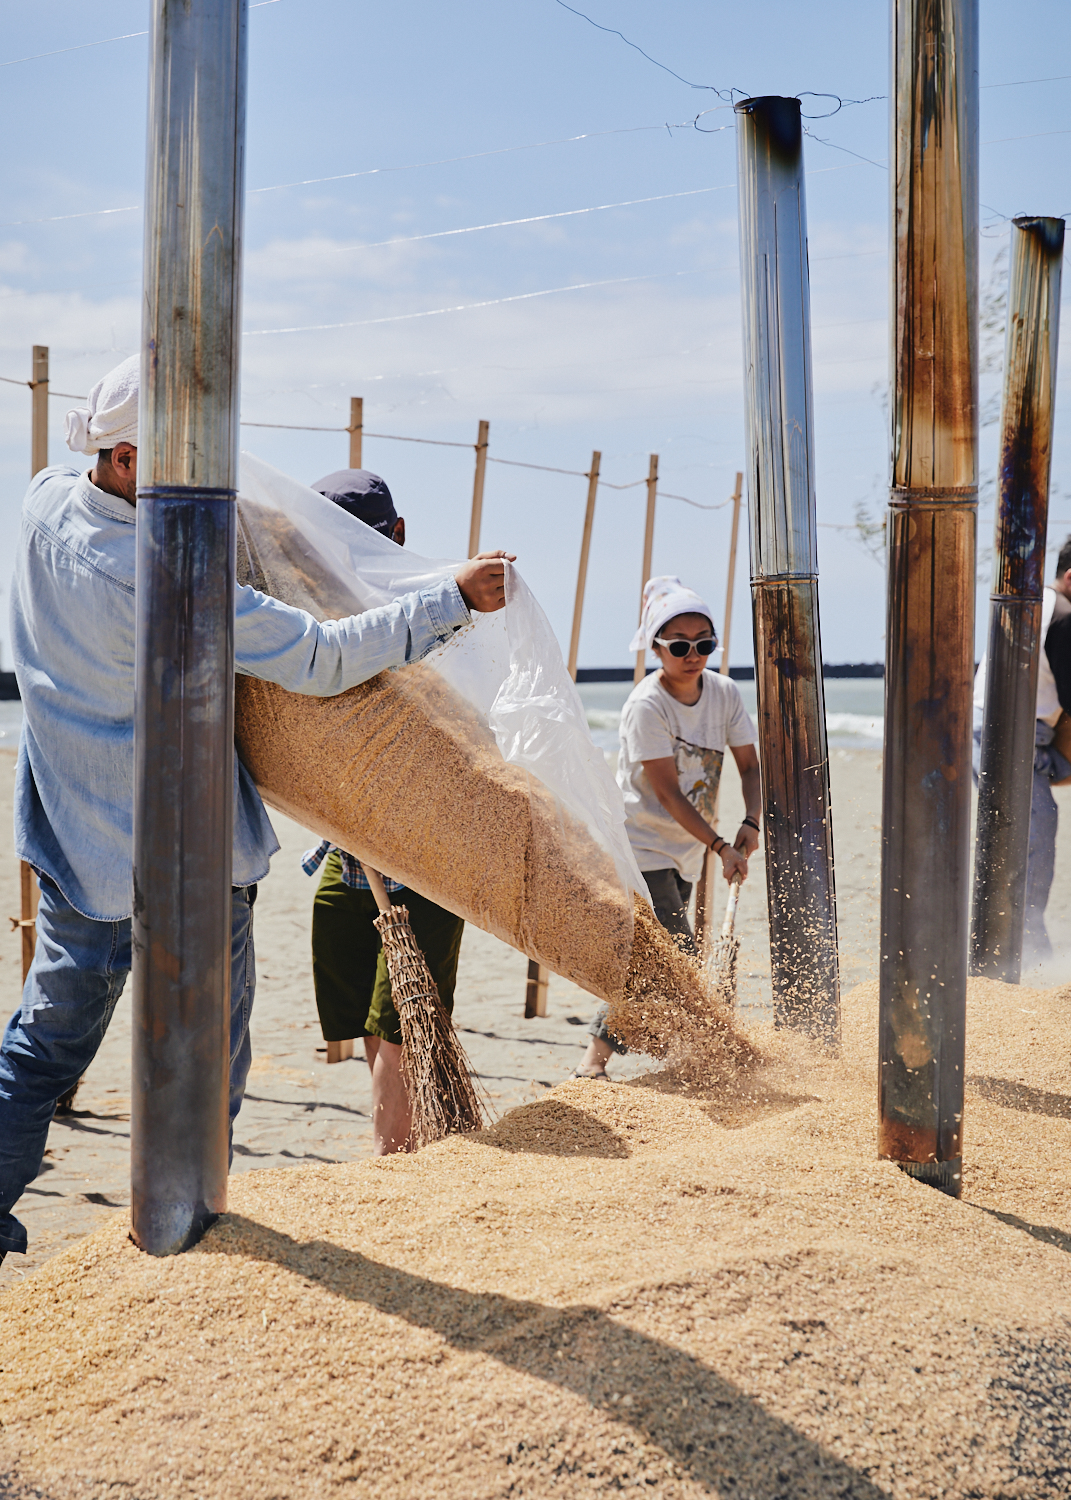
column 72, row 633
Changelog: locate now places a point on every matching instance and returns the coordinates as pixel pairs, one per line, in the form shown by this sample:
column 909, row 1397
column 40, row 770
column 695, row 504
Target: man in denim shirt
column 72, row 625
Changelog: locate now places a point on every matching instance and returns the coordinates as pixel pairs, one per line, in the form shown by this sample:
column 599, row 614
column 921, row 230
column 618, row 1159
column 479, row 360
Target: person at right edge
column 349, row 971
column 675, row 727
column 1051, row 751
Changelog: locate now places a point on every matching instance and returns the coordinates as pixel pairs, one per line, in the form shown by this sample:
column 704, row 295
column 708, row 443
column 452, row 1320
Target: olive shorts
column 348, row 968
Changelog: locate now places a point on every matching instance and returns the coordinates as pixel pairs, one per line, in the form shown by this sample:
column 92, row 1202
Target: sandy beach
column 298, row 1110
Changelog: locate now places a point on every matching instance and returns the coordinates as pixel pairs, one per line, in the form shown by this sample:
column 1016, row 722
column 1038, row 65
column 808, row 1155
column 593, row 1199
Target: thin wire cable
column 567, row 213
column 516, row 463
column 1015, row 83
column 612, row 31
column 448, row 161
column 393, row 437
column 103, row 42
column 513, row 463
column 434, row 312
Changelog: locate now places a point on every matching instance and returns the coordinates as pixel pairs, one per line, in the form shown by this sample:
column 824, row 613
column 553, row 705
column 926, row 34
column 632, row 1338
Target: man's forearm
column 287, row 646
column 751, row 786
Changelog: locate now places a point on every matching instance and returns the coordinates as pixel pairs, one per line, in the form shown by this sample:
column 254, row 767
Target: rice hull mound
column 400, row 772
column 615, row 1288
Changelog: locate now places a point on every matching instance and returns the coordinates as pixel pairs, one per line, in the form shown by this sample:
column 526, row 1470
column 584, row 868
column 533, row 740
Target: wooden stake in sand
column 706, row 879
column 648, row 554
column 38, row 461
column 476, row 520
column 434, row 1066
column 356, row 430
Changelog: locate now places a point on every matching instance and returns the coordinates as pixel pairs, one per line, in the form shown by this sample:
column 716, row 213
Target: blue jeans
column 78, row 972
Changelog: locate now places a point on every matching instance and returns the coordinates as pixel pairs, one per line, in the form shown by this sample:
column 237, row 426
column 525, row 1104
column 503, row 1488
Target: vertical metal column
column 929, row 665
column 184, row 713
column 1005, row 781
column 784, row 566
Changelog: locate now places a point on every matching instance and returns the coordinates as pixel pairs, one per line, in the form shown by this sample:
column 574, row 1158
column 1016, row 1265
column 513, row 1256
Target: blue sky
column 434, row 118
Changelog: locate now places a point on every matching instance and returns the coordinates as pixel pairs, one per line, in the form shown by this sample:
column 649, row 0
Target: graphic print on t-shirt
column 698, row 774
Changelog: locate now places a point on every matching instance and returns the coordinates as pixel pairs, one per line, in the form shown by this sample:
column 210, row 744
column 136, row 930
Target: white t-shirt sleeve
column 739, row 730
column 644, row 732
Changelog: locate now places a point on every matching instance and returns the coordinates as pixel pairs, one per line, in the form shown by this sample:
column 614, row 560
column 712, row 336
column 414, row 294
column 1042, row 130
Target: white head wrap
column 663, row 599
column 112, row 414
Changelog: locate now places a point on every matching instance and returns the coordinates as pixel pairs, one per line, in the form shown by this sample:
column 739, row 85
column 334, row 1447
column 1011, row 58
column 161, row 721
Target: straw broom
column 721, row 964
column 435, row 1069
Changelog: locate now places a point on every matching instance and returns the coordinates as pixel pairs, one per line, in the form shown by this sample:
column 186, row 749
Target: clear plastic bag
column 470, row 776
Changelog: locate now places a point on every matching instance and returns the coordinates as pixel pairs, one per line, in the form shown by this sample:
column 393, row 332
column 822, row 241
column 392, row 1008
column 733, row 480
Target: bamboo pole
column 648, row 551
column 737, row 495
column 28, row 888
column 356, row 430
column 929, row 667
column 535, row 998
column 582, row 572
column 39, row 429
column 477, row 488
column 1005, row 781
column 793, row 752
column 703, row 927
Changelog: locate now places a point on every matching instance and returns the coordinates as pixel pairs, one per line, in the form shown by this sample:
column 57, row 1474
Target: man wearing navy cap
column 349, row 971
column 366, row 496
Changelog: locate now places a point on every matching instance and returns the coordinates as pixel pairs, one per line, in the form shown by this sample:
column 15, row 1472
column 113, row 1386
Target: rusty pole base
column 945, row 1176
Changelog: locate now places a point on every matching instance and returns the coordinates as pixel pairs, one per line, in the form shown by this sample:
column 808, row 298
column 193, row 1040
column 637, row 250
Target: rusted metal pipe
column 1005, row 778
column 184, row 668
column 784, row 567
column 930, row 613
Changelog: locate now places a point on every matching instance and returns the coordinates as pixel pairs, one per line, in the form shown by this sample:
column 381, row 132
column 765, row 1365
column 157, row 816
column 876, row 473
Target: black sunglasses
column 681, row 648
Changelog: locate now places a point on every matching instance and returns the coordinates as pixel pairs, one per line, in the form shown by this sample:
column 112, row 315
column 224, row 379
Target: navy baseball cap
column 363, row 494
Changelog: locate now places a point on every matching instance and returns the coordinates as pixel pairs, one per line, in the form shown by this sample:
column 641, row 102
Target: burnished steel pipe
column 1006, row 772
column 784, row 566
column 930, row 618
column 184, row 714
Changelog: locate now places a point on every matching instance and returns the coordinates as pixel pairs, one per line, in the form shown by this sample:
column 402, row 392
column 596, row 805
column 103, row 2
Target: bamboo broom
column 435, row 1069
column 723, row 956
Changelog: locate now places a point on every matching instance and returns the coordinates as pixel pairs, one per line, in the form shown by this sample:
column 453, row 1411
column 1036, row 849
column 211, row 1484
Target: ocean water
column 854, row 710
column 10, row 724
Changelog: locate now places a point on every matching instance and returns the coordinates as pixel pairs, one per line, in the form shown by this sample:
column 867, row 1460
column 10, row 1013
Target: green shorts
column 348, row 968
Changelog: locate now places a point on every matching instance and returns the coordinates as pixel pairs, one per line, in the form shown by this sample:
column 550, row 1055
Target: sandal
column 600, row 1077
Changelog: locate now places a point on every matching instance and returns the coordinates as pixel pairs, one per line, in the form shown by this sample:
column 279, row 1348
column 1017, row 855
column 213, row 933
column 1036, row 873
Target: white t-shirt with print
column 654, row 725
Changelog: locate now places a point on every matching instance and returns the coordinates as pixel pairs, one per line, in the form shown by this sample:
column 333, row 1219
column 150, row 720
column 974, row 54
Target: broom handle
column 378, row 889
column 730, row 908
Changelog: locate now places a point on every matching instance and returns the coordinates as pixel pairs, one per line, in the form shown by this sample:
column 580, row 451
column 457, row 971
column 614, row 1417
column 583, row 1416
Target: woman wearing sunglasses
column 675, row 727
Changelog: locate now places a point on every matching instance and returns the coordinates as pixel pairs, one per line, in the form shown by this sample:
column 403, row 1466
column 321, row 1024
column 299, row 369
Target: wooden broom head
column 434, row 1066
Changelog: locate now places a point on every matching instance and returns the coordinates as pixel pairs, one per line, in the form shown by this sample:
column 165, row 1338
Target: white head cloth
column 112, row 414
column 664, row 599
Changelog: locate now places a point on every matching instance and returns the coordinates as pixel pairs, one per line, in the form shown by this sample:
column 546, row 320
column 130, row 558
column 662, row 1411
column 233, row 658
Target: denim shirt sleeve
column 287, row 646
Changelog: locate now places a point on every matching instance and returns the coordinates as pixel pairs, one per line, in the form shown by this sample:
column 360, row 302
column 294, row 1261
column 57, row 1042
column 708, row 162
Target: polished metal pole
column 784, row 566
column 184, row 711
column 1006, row 775
column 929, row 665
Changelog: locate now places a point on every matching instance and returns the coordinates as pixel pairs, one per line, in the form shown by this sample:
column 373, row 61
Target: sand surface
column 617, row 1287
column 626, row 1286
